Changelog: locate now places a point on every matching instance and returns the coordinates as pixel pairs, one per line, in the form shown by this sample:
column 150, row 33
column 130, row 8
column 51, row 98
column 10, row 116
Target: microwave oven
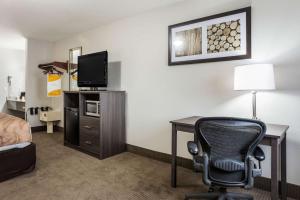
column 92, row 108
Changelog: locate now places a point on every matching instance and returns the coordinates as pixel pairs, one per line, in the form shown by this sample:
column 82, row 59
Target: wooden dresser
column 102, row 136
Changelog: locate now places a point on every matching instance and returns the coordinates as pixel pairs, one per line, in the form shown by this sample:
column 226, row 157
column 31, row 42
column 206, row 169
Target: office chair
column 229, row 146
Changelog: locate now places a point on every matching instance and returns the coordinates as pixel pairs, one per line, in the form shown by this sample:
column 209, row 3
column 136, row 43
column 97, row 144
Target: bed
column 17, row 152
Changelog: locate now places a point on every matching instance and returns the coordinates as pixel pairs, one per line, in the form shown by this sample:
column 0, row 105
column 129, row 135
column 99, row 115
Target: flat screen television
column 92, row 70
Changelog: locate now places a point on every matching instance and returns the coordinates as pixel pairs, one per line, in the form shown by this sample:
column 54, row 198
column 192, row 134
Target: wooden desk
column 16, row 107
column 275, row 137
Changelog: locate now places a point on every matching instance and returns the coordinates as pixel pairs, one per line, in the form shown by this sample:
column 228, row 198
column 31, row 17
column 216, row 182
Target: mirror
column 73, row 67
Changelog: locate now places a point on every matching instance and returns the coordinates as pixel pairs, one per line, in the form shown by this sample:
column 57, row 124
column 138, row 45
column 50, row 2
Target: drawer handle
column 88, row 142
column 88, row 127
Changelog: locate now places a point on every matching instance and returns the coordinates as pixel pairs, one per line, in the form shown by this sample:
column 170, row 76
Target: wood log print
column 224, row 37
column 190, row 42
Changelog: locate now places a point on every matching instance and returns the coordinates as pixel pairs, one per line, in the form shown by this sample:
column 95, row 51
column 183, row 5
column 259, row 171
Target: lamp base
column 254, row 105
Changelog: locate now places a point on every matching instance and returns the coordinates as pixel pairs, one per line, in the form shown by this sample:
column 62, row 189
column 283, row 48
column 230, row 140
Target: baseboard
column 58, row 128
column 263, row 183
column 183, row 162
column 44, row 128
column 38, row 129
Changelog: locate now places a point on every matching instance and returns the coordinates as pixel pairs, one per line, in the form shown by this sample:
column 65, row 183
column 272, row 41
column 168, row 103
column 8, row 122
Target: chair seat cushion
column 228, row 165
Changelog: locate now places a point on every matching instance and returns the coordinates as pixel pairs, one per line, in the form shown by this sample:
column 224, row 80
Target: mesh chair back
column 228, row 142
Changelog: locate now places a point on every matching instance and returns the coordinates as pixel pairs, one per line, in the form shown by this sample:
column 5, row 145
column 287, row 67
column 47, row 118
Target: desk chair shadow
column 229, row 147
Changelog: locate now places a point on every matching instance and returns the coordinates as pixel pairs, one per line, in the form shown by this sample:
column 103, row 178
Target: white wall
column 12, row 63
column 157, row 93
column 38, row 52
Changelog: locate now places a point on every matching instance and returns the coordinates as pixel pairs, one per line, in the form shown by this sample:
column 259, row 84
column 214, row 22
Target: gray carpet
column 64, row 173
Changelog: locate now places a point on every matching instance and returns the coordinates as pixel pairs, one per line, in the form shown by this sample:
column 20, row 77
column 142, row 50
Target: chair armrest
column 250, row 168
column 259, row 154
column 252, row 172
column 205, row 169
column 192, row 148
column 200, row 161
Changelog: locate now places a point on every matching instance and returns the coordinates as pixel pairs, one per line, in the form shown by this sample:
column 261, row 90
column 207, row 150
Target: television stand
column 102, row 136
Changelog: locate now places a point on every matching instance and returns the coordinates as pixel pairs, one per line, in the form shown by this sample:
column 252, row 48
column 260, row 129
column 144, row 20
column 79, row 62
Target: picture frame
column 221, row 37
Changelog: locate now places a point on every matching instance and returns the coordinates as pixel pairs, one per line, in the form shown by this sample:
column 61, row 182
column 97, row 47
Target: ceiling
column 53, row 20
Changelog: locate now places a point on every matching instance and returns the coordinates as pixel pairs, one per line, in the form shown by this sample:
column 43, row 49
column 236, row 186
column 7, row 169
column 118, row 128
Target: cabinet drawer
column 16, row 105
column 90, row 134
column 90, row 124
column 90, row 142
column 12, row 105
column 21, row 106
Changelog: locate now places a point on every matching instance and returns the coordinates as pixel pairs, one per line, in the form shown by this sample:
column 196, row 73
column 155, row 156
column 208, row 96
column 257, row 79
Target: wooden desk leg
column 283, row 169
column 174, row 155
column 274, row 169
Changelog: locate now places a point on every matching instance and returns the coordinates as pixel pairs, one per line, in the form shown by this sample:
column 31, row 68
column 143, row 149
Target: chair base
column 222, row 194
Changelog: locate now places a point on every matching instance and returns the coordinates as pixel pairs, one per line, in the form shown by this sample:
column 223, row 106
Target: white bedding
column 13, row 146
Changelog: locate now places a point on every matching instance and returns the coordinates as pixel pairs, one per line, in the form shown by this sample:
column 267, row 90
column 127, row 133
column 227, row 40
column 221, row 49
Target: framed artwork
column 221, row 37
column 73, row 68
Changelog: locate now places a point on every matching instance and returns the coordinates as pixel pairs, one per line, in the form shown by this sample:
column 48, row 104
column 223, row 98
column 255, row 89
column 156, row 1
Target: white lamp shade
column 254, row 77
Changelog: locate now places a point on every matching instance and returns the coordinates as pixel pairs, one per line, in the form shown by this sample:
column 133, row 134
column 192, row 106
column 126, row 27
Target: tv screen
column 92, row 70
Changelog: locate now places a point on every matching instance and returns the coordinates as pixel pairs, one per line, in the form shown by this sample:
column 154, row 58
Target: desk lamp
column 255, row 77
